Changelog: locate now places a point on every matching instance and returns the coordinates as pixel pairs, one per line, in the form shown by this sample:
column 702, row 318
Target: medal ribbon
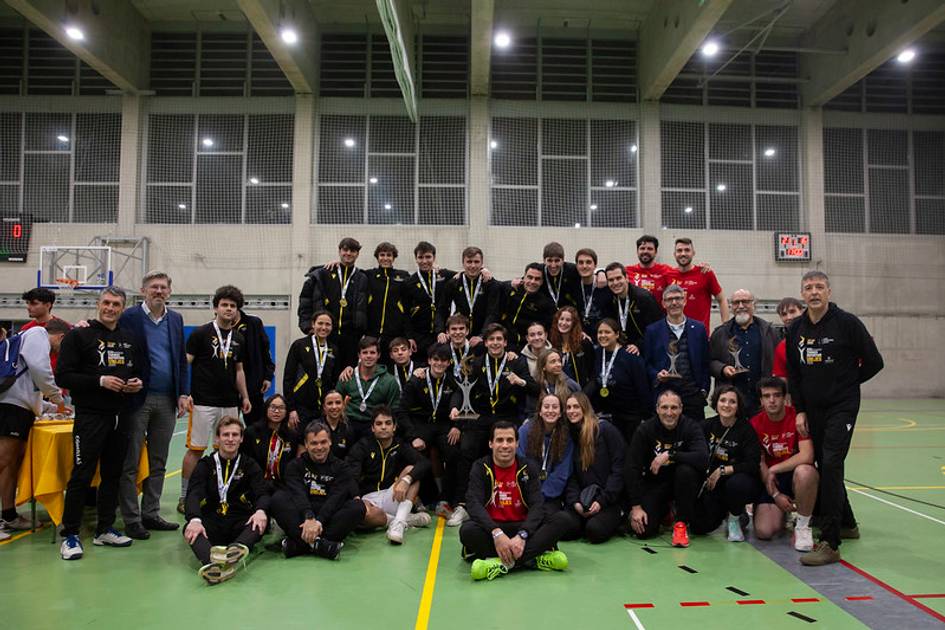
column 224, row 348
column 223, row 483
column 494, row 380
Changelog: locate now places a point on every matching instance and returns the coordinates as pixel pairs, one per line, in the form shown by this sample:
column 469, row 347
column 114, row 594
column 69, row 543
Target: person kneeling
column 317, row 508
column 508, row 527
column 227, row 498
column 388, row 473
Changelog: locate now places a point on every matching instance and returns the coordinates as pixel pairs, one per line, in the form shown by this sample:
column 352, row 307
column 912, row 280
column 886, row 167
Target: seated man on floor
column 227, row 498
column 318, row 508
column 508, row 527
column 673, row 476
column 388, row 473
column 787, row 467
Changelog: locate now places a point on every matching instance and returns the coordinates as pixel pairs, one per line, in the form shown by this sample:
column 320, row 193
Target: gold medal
column 604, row 392
column 224, row 507
column 343, row 302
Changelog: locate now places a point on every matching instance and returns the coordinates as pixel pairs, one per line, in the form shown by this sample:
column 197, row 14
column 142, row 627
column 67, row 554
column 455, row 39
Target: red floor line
column 747, row 602
column 805, row 600
column 859, row 598
column 894, row 591
column 927, row 595
column 638, row 605
column 689, row 604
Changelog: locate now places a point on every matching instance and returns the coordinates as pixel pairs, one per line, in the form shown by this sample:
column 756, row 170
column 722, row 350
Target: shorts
column 785, row 484
column 202, row 423
column 15, row 421
column 383, row 499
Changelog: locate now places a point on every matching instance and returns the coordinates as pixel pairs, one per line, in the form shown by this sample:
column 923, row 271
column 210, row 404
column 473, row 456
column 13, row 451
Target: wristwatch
column 522, row 534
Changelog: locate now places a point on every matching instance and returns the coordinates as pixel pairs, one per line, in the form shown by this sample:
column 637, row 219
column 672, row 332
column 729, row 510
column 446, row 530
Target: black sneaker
column 159, row 524
column 291, row 549
column 137, row 531
column 328, row 548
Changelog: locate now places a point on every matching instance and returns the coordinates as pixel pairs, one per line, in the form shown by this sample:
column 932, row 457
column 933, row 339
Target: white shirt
column 147, row 312
column 678, row 329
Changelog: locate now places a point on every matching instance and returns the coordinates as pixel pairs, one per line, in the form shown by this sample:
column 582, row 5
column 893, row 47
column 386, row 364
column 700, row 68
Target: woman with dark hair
column 620, row 387
column 311, row 370
column 545, row 439
column 551, row 379
column 271, row 442
column 734, row 464
column 592, row 497
column 577, row 351
column 333, row 416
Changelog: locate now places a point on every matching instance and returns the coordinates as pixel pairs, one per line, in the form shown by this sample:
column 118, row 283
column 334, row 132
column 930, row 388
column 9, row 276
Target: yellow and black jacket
column 481, row 492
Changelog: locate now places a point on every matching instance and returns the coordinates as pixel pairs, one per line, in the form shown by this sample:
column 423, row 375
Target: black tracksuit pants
column 596, row 529
column 434, row 435
column 730, row 495
column 223, row 530
column 473, row 444
column 677, row 483
column 627, row 423
column 342, row 522
column 831, row 432
column 479, row 544
column 98, row 439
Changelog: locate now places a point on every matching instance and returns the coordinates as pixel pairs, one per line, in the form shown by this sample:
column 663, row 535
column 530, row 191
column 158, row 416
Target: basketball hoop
column 67, row 285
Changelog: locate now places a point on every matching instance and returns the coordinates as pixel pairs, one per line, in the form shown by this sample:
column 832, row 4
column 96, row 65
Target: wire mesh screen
column 560, row 171
column 60, row 167
column 218, row 168
column 729, row 176
column 383, row 169
column 884, row 181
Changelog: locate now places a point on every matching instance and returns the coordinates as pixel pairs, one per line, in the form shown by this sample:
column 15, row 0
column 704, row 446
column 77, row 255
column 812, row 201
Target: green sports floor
column 893, row 577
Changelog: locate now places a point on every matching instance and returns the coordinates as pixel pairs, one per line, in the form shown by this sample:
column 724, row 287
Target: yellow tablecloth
column 47, row 465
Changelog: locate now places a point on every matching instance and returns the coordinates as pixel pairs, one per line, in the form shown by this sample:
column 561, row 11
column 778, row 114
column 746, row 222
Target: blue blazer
column 133, row 320
column 656, row 340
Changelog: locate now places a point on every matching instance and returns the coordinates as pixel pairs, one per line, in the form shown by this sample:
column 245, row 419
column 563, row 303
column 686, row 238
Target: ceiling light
column 373, row 180
column 207, row 142
column 688, row 210
column 633, row 148
column 75, row 33
column 285, row 206
column 289, row 36
column 502, row 40
column 721, row 187
column 610, row 183
column 593, row 206
column 349, row 142
column 710, row 48
column 906, row 56
column 387, row 206
column 770, row 152
column 577, row 225
column 62, row 138
column 182, row 206
column 253, row 180
column 493, row 144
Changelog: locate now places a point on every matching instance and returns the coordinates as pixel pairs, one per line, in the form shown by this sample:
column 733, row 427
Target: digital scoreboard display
column 792, row 246
column 14, row 239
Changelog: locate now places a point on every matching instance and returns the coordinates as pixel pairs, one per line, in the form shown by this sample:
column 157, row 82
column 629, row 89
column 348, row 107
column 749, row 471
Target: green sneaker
column 552, row 561
column 488, row 569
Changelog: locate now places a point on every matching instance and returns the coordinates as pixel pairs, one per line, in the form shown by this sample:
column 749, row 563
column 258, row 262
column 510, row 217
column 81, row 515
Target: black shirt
column 739, row 448
column 213, row 379
column 89, row 353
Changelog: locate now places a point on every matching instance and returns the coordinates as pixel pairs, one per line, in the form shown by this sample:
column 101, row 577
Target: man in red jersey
column 649, row 274
column 700, row 285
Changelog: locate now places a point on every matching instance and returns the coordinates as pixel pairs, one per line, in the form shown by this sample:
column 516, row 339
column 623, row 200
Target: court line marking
column 636, row 620
column 909, row 424
column 903, row 508
column 429, row 582
column 858, row 488
column 906, row 598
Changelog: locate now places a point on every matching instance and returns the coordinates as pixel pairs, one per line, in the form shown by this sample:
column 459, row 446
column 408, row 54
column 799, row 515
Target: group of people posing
column 566, row 403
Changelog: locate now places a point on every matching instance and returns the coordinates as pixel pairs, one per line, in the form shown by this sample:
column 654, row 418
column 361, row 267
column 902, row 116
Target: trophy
column 735, row 350
column 673, row 354
column 466, row 411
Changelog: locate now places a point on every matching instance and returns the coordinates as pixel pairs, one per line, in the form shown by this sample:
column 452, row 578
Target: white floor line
column 636, row 620
column 180, row 432
column 896, row 505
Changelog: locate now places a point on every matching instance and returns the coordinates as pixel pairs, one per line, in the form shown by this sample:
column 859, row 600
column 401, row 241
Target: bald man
column 741, row 350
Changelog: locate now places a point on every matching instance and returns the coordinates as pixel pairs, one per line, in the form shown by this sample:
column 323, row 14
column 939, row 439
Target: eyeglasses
column 739, row 302
column 674, row 299
column 277, row 408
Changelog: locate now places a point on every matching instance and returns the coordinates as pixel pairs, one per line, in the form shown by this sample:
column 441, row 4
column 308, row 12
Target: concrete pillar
column 479, row 198
column 132, row 120
column 651, row 203
column 812, row 174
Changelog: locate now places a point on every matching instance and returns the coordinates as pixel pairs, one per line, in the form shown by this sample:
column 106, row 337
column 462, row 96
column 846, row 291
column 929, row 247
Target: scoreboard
column 792, row 246
column 15, row 238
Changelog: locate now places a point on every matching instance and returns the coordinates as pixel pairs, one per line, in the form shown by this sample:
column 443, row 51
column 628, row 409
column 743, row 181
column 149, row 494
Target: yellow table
column 47, row 466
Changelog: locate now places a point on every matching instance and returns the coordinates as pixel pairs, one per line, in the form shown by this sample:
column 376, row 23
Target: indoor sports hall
column 238, row 141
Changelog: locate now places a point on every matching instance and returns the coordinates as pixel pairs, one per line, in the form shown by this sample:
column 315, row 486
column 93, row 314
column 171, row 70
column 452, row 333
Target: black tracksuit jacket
column 247, row 493
column 87, row 354
column 318, row 490
column 685, row 443
column 481, row 492
column 374, row 468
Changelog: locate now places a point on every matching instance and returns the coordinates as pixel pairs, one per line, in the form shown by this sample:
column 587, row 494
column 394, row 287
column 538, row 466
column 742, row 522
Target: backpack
column 10, row 368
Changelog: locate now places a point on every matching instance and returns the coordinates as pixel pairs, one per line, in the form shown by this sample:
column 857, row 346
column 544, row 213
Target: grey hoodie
column 37, row 381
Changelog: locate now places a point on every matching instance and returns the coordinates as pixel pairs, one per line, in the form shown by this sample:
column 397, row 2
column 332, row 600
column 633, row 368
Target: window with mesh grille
column 747, row 80
column 884, row 181
column 917, row 88
column 386, row 170
column 218, row 168
column 729, row 176
column 33, row 63
column 564, row 172
column 60, row 167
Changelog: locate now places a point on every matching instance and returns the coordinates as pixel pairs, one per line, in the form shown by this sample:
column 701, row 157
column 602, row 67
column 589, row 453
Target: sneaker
column 328, row 548
column 137, row 531
column 419, row 519
column 214, row 573
column 488, row 569
column 111, row 537
column 735, row 533
column 458, row 517
column 443, row 509
column 4, row 535
column 395, row 532
column 180, row 505
column 218, row 554
column 71, row 548
column 236, row 552
column 18, row 524
column 822, row 554
column 850, row 533
column 803, row 538
column 291, row 548
column 552, row 561
column 680, row 535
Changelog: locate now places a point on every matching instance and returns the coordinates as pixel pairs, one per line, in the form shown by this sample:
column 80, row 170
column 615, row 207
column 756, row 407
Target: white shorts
column 202, row 424
column 383, row 499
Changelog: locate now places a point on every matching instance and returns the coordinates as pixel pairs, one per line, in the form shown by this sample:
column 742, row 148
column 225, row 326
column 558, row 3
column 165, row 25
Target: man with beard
column 632, row 307
column 647, row 273
column 700, row 285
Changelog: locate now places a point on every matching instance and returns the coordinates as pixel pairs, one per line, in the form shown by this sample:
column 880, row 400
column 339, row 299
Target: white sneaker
column 458, row 517
column 735, row 533
column 395, row 532
column 18, row 524
column 4, row 535
column 419, row 519
column 803, row 538
column 71, row 548
column 111, row 537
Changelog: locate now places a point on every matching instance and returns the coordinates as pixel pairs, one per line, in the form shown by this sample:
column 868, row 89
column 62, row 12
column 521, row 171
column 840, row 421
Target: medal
column 344, row 285
column 457, row 361
column 364, row 397
column 605, row 368
column 224, row 348
column 555, row 294
column 604, row 392
column 223, row 484
column 363, row 406
column 494, row 380
column 321, row 358
column 343, row 302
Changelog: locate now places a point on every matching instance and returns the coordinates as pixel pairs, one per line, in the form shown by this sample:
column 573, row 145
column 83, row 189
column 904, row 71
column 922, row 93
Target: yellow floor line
column 429, row 583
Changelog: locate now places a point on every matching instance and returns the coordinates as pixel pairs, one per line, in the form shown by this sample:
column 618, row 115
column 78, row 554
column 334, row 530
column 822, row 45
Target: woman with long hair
column 311, row 371
column 620, row 387
column 734, row 464
column 270, row 441
column 536, row 338
column 577, row 351
column 545, row 439
column 333, row 415
column 551, row 379
column 592, row 498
